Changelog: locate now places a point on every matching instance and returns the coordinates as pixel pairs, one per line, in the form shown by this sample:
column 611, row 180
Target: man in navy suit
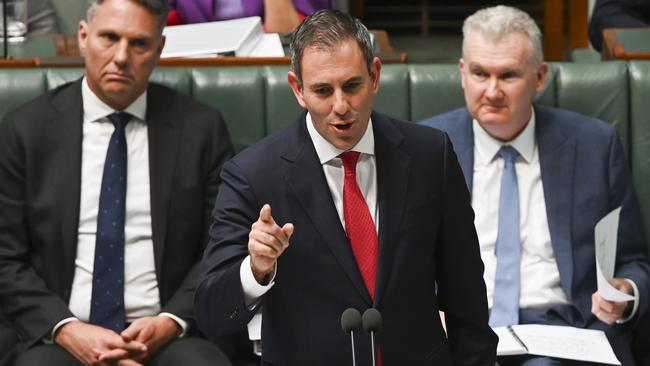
column 300, row 230
column 570, row 172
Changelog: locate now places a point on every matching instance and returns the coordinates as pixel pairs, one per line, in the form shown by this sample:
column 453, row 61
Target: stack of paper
column 236, row 37
column 555, row 341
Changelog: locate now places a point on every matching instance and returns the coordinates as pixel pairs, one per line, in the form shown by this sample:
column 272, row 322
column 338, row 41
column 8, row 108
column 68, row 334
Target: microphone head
column 350, row 320
column 372, row 321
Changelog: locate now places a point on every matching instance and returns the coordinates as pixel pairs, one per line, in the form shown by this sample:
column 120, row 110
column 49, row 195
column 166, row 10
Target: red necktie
column 358, row 223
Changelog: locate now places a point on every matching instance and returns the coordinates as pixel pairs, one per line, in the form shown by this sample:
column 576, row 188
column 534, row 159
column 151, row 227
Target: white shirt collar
column 487, row 146
column 95, row 109
column 327, row 151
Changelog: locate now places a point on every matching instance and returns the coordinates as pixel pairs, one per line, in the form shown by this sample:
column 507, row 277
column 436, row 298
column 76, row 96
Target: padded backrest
column 599, row 90
column 640, row 135
column 238, row 92
column 257, row 101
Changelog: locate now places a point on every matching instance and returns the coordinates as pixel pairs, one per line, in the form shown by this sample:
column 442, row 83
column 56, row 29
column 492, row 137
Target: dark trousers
column 182, row 351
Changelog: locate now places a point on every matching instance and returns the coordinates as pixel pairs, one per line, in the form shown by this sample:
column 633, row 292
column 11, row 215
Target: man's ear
column 375, row 72
column 542, row 73
column 161, row 45
column 296, row 87
column 82, row 36
column 461, row 68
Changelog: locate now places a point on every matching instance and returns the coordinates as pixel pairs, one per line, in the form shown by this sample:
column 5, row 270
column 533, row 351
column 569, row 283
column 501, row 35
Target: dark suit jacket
column 585, row 175
column 426, row 236
column 40, row 168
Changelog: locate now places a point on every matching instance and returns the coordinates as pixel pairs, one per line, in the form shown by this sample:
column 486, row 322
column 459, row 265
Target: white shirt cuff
column 179, row 321
column 252, row 289
column 50, row 339
column 635, row 306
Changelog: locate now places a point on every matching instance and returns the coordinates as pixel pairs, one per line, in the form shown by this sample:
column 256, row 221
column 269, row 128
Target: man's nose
column 121, row 55
column 341, row 105
column 493, row 89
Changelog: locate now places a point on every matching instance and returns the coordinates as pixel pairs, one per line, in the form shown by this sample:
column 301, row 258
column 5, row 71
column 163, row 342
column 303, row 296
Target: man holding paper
column 541, row 178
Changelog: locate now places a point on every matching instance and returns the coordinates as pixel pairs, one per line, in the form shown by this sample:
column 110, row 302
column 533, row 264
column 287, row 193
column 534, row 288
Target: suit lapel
column 306, row 179
column 557, row 158
column 464, row 146
column 67, row 136
column 393, row 168
column 164, row 135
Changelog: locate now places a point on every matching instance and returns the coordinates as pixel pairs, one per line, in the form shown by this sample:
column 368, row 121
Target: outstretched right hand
column 266, row 242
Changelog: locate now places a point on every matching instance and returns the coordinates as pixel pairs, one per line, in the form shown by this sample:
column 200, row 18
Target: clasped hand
column 97, row 346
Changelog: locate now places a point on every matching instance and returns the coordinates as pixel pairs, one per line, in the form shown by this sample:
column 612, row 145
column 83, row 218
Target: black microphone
column 372, row 323
column 350, row 323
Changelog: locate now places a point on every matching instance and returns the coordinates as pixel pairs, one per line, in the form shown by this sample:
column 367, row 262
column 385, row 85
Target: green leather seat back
column 434, row 89
column 639, row 72
column 599, row 90
column 59, row 76
column 238, row 92
column 178, row 78
column 281, row 107
column 18, row 86
column 393, row 96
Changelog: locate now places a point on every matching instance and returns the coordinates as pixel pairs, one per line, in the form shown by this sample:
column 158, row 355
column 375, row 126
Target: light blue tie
column 505, row 304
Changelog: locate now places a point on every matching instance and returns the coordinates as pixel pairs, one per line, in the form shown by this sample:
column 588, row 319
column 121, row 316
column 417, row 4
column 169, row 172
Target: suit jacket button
column 234, row 313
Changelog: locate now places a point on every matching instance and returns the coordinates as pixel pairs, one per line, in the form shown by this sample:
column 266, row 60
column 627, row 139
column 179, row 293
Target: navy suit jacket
column 585, row 176
column 426, row 237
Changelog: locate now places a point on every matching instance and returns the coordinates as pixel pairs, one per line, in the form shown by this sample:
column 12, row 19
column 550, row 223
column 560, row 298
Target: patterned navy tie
column 505, row 304
column 107, row 303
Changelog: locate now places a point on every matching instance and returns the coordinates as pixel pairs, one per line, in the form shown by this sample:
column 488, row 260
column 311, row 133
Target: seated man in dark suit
column 540, row 179
column 346, row 208
column 107, row 188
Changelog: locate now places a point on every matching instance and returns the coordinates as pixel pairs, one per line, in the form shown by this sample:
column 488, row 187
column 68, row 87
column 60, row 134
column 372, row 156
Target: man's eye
column 322, row 91
column 111, row 37
column 139, row 43
column 479, row 74
column 352, row 86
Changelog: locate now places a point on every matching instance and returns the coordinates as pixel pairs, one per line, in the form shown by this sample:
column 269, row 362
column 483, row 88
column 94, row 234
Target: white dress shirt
column 141, row 295
column 334, row 175
column 540, row 277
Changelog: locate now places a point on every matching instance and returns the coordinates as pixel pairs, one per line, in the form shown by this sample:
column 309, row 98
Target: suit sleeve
column 33, row 308
column 219, row 301
column 219, row 151
column 461, row 290
column 631, row 260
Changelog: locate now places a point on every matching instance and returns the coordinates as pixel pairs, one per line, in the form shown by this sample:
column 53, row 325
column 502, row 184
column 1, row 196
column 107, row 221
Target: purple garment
column 200, row 11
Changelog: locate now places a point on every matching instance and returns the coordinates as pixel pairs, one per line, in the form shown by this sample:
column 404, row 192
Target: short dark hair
column 159, row 8
column 325, row 29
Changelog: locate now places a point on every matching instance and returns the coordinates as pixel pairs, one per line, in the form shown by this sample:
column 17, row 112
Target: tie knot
column 119, row 119
column 350, row 159
column 508, row 153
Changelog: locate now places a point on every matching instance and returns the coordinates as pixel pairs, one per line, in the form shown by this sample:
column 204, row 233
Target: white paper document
column 268, row 46
column 508, row 344
column 236, row 37
column 556, row 341
column 605, row 235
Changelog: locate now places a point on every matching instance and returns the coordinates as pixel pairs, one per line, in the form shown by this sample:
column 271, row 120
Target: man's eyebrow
column 319, row 85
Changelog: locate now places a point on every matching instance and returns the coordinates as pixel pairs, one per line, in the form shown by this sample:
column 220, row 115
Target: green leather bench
column 257, row 101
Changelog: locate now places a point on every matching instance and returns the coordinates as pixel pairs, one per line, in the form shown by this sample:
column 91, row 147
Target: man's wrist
column 180, row 323
column 263, row 278
column 51, row 338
